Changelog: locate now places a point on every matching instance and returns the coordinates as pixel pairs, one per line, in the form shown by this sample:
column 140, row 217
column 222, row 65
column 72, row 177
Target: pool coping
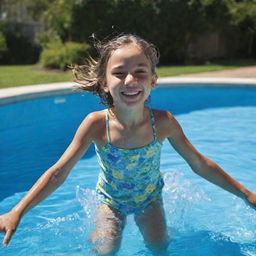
column 17, row 94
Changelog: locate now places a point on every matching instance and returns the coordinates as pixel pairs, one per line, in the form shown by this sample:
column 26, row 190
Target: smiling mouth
column 131, row 94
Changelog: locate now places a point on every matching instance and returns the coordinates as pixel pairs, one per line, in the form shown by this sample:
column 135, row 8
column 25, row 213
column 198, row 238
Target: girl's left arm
column 203, row 166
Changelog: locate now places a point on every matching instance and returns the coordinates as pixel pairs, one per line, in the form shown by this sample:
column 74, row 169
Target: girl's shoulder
column 165, row 123
column 163, row 116
column 94, row 123
column 96, row 117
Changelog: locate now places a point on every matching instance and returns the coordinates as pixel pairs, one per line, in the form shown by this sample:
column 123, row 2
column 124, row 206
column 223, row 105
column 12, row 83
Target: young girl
column 128, row 137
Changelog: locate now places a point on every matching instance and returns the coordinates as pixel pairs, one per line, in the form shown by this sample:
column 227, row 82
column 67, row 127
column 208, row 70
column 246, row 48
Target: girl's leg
column 152, row 224
column 108, row 233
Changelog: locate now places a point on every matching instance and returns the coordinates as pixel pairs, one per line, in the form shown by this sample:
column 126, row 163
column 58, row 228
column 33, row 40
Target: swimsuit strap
column 107, row 126
column 153, row 122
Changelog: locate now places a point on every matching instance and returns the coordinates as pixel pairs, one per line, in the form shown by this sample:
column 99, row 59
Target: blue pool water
column 202, row 219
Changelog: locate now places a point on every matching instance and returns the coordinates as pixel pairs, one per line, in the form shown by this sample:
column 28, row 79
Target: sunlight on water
column 202, row 219
column 193, row 221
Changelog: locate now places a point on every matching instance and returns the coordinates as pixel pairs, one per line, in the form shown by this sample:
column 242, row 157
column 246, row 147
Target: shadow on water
column 35, row 133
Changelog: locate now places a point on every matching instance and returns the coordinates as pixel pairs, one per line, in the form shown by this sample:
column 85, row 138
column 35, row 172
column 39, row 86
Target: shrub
column 47, row 37
column 60, row 55
column 20, row 50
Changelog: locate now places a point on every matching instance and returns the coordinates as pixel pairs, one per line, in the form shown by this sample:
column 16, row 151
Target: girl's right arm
column 52, row 178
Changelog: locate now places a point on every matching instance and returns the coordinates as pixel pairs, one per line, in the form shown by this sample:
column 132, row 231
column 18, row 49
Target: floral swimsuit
column 129, row 179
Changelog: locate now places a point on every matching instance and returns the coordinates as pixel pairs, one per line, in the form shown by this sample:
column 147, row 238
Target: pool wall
column 45, row 121
column 13, row 95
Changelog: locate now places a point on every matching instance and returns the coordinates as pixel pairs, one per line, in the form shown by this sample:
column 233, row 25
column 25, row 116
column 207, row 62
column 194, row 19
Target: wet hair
column 89, row 76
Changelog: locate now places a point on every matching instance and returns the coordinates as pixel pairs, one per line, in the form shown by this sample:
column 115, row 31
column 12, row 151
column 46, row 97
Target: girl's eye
column 118, row 73
column 140, row 72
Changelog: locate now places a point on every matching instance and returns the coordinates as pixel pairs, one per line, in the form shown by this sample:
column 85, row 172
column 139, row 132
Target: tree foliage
column 18, row 50
column 171, row 24
column 60, row 55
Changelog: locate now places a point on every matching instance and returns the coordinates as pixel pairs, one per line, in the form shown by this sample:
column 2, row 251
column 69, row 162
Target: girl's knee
column 107, row 243
column 107, row 236
column 105, row 250
column 152, row 225
column 158, row 247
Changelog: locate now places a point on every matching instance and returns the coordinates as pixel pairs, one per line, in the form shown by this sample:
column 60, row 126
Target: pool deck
column 242, row 77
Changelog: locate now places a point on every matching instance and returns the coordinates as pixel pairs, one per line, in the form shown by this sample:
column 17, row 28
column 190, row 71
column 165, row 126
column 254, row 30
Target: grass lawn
column 12, row 76
column 191, row 69
column 181, row 70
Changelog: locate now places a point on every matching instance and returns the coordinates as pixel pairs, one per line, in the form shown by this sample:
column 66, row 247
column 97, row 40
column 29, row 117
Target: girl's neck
column 129, row 116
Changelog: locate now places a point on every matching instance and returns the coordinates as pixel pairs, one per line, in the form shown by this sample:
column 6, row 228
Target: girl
column 128, row 137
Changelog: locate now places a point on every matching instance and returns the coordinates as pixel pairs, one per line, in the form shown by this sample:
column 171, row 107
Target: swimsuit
column 129, row 179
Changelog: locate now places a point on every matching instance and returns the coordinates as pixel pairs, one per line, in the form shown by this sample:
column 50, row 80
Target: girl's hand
column 251, row 199
column 8, row 224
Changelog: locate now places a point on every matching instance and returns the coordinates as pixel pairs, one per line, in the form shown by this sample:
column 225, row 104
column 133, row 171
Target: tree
column 244, row 21
column 171, row 24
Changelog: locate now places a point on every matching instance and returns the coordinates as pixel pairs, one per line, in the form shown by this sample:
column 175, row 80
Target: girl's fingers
column 8, row 237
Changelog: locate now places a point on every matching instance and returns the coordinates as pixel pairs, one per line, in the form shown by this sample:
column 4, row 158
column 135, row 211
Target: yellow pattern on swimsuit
column 129, row 178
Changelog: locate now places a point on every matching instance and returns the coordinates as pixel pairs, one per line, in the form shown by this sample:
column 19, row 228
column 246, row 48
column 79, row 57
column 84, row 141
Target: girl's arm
column 51, row 179
column 204, row 166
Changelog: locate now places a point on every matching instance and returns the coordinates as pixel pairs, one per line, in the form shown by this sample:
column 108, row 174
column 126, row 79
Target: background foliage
column 170, row 24
column 16, row 48
column 58, row 55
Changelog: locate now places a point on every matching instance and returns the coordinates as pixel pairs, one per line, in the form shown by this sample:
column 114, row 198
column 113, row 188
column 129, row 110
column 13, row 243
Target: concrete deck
column 243, row 77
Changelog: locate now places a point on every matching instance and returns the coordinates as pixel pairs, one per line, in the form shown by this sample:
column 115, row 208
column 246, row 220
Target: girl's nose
column 129, row 79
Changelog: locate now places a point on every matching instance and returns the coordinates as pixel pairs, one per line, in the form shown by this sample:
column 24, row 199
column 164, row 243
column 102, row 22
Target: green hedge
column 20, row 50
column 60, row 55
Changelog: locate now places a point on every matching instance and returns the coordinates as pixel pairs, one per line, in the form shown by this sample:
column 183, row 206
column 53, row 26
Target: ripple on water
column 202, row 219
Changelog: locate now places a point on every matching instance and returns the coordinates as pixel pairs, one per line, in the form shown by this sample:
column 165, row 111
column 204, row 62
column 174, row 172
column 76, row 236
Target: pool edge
column 22, row 93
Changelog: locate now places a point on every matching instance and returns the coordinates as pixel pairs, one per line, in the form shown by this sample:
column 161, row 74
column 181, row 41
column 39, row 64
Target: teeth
column 130, row 93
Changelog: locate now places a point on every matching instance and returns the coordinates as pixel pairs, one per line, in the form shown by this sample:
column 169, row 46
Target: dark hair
column 88, row 76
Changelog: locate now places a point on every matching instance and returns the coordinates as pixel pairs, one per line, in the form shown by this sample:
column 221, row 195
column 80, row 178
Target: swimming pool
column 202, row 218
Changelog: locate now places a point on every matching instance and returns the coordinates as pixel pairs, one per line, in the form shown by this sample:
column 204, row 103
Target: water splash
column 228, row 226
column 181, row 197
column 88, row 199
column 192, row 214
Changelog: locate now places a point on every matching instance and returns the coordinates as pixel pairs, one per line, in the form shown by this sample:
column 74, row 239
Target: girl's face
column 129, row 78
